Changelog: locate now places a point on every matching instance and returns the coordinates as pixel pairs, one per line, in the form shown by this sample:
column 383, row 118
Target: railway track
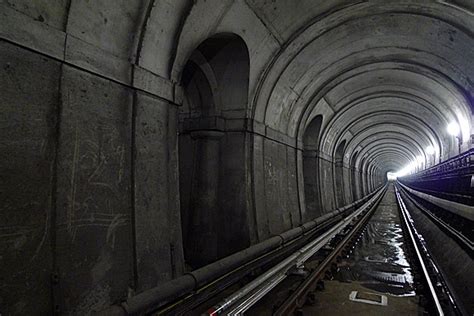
column 241, row 301
column 299, row 283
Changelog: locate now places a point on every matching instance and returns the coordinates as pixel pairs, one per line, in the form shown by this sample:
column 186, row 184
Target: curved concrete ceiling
column 349, row 61
column 387, row 91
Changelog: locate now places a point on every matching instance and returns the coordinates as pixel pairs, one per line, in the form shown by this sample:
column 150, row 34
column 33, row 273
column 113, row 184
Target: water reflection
column 379, row 260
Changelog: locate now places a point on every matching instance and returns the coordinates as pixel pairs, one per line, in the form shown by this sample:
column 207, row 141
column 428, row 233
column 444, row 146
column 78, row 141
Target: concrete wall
column 93, row 198
column 275, row 185
column 89, row 145
column 311, row 185
column 236, row 219
column 101, row 181
column 28, row 143
column 227, row 222
column 278, row 206
column 157, row 219
column 89, row 187
column 327, row 181
column 214, row 151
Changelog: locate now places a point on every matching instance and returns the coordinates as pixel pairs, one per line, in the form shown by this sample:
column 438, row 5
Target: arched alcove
column 212, row 157
column 354, row 175
column 311, row 167
column 362, row 185
column 339, row 174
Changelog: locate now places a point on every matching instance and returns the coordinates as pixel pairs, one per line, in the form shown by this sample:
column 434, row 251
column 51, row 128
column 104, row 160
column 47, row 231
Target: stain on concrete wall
column 311, row 185
column 327, row 185
column 157, row 220
column 234, row 211
column 93, row 221
column 280, row 209
column 261, row 216
column 292, row 188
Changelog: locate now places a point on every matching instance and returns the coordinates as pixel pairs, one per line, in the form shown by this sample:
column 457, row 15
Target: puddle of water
column 379, row 261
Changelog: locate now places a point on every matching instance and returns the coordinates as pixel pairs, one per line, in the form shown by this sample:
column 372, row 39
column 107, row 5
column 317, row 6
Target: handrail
column 462, row 162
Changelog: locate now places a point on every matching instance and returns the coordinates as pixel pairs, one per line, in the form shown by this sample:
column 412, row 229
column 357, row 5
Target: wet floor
column 378, row 266
column 379, row 261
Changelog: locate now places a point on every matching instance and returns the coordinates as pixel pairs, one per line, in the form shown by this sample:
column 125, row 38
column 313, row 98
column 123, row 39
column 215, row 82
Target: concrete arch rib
column 423, row 97
column 395, row 144
column 409, row 152
column 378, row 132
column 420, row 97
column 415, row 62
column 387, row 160
column 319, row 27
column 381, row 122
column 343, row 122
column 387, row 156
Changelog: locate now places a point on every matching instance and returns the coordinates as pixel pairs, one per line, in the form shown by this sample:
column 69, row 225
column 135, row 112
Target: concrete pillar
column 347, row 184
column 202, row 241
column 339, row 182
column 311, row 184
column 361, row 183
column 365, row 181
column 354, row 183
column 371, row 181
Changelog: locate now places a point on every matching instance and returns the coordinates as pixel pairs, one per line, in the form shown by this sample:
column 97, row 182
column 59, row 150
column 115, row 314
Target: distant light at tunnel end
column 410, row 168
column 391, row 176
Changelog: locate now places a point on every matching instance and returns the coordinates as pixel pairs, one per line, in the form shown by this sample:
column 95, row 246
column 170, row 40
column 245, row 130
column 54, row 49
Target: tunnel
column 205, row 157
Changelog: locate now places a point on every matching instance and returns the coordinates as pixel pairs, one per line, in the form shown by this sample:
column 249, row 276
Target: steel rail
column 174, row 293
column 247, row 296
column 411, row 231
column 298, row 298
column 463, row 240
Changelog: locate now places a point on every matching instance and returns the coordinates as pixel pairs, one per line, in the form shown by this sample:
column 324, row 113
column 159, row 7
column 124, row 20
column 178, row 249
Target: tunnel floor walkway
column 377, row 278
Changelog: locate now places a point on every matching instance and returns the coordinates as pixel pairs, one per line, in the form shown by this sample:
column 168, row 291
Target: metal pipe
column 156, row 297
column 273, row 276
column 246, row 304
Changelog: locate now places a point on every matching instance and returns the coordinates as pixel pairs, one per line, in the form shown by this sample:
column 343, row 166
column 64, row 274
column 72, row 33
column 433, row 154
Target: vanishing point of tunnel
column 236, row 157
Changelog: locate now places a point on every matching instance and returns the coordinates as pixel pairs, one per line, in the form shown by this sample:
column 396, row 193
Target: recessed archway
column 311, row 168
column 354, row 176
column 211, row 157
column 339, row 174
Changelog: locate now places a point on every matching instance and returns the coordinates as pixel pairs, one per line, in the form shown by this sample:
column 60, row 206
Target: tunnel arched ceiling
column 388, row 91
column 348, row 61
column 411, row 58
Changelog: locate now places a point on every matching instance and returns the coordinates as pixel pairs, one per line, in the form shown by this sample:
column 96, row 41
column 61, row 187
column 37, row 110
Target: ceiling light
column 430, row 150
column 453, row 129
column 464, row 128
